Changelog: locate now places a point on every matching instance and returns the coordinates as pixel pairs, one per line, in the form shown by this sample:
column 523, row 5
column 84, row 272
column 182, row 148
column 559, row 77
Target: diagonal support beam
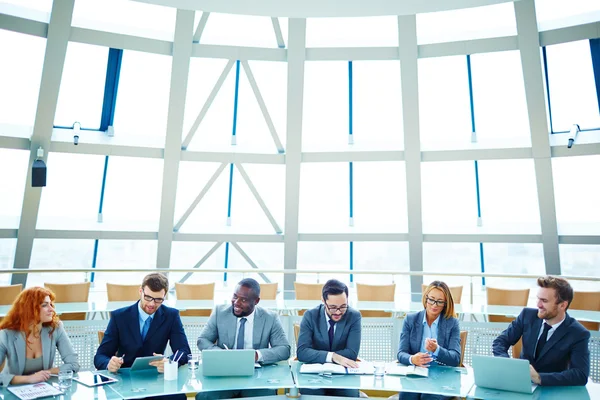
column 258, row 198
column 263, row 106
column 278, row 34
column 202, row 193
column 59, row 30
column 201, row 26
column 207, row 104
column 202, row 261
column 249, row 261
column 180, row 68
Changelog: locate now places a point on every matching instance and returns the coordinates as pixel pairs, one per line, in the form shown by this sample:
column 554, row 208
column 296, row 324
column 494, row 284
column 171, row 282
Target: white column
column 182, row 50
column 59, row 30
column 531, row 63
column 408, row 51
column 295, row 99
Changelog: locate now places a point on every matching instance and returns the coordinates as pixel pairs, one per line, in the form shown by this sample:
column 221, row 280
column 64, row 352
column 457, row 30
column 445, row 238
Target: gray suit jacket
column 12, row 346
column 448, row 338
column 221, row 328
column 313, row 340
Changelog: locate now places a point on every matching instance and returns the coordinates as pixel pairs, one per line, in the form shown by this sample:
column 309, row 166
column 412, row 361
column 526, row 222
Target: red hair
column 24, row 315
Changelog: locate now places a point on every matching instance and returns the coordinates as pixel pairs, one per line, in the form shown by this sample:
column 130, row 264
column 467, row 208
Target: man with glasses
column 143, row 329
column 555, row 344
column 329, row 333
column 243, row 325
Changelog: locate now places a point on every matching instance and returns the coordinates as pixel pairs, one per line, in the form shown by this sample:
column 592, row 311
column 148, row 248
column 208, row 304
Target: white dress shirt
column 248, row 333
column 551, row 330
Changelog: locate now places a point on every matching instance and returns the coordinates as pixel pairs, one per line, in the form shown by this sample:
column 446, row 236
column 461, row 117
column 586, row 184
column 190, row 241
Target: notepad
column 404, row 370
column 34, row 391
column 364, row 368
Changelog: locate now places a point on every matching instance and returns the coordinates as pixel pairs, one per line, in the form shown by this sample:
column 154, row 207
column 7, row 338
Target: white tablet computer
column 89, row 378
column 143, row 363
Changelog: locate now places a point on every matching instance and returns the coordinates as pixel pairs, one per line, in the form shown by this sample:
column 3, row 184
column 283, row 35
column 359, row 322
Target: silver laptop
column 228, row 362
column 501, row 373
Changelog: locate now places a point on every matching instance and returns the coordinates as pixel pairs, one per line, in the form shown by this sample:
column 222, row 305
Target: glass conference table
column 590, row 391
column 293, row 306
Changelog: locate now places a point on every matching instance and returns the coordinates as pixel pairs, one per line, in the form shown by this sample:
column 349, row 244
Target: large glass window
column 573, row 97
column 124, row 254
column 324, row 197
column 241, row 30
column 13, row 185
column 551, row 10
column 263, row 255
column 60, row 254
column 444, row 108
column 382, row 256
column 7, row 258
column 316, row 256
column 576, row 194
column 82, row 86
column 580, row 260
column 20, row 76
column 352, row 32
column 188, row 254
column 143, row 98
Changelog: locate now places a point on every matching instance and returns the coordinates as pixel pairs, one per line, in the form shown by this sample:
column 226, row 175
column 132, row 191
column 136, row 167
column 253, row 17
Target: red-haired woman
column 29, row 336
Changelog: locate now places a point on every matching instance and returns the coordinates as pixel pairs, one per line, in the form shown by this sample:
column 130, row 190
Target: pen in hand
column 226, row 348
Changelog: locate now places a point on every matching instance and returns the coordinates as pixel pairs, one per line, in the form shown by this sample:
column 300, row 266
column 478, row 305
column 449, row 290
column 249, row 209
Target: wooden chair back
column 195, row 291
column 116, row 292
column 70, row 293
column 375, row 293
column 9, row 293
column 463, row 346
column 456, row 292
column 589, row 301
column 268, row 291
column 308, row 291
column 506, row 297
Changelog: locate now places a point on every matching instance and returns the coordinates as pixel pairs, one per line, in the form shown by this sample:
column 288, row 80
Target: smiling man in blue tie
column 331, row 332
column 555, row 344
column 243, row 325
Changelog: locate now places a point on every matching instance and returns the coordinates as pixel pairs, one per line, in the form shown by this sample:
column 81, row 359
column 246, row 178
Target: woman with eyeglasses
column 431, row 336
column 29, row 336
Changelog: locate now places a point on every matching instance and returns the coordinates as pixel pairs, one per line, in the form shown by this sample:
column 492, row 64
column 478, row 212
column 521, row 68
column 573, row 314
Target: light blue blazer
column 448, row 339
column 13, row 348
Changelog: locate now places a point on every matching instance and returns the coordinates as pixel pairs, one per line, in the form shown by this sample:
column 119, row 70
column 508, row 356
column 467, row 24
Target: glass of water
column 379, row 369
column 192, row 361
column 65, row 379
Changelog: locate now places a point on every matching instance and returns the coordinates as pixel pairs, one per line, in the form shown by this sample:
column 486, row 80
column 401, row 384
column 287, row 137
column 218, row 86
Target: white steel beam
column 207, row 104
column 278, row 34
column 227, row 237
column 59, row 29
column 249, row 261
column 202, row 261
column 201, row 26
column 263, row 106
column 201, row 195
column 180, row 68
column 531, row 63
column 407, row 40
column 259, row 199
column 295, row 99
column 232, row 158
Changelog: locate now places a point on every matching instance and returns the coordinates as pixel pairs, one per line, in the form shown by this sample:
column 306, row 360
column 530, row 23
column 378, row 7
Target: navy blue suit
column 564, row 360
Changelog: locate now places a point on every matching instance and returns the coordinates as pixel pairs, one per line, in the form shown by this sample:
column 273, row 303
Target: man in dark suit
column 331, row 333
column 143, row 329
column 555, row 344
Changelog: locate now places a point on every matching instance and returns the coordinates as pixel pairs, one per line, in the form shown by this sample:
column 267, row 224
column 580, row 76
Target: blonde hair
column 449, row 307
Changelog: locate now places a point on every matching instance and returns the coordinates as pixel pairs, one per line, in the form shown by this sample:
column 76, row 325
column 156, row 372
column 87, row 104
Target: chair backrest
column 100, row 337
column 9, row 293
column 268, row 291
column 589, row 301
column 70, row 293
column 296, row 331
column 463, row 346
column 516, row 349
column 116, row 292
column 195, row 291
column 375, row 293
column 456, row 292
column 506, row 297
column 308, row 291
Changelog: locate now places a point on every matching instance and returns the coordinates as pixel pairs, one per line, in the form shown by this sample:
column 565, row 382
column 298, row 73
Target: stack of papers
column 364, row 368
column 34, row 391
column 403, row 370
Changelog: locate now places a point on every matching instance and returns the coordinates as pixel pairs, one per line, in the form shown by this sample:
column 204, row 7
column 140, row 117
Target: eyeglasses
column 438, row 303
column 157, row 300
column 333, row 309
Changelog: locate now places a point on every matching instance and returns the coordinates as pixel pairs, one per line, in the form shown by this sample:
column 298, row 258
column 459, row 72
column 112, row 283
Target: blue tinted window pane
column 315, row 256
column 7, row 258
column 124, row 254
column 573, row 96
column 13, row 185
column 82, row 86
column 324, row 197
column 580, row 260
column 20, row 75
column 60, row 254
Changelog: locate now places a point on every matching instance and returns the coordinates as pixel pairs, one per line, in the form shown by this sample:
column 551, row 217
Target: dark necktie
column 542, row 340
column 331, row 324
column 242, row 331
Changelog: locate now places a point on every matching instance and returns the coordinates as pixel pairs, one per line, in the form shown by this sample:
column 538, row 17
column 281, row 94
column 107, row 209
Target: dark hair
column 251, row 284
column 156, row 282
column 334, row 287
column 562, row 288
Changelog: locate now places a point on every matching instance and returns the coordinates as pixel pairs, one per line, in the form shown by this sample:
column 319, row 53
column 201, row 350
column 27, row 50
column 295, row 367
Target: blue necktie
column 331, row 324
column 241, row 333
column 146, row 327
